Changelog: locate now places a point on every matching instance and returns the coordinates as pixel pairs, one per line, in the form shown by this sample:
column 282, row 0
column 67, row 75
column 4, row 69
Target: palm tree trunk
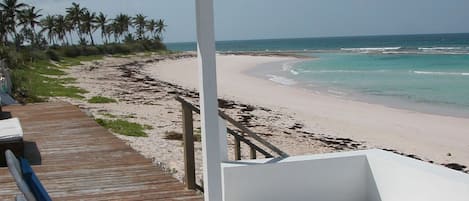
column 91, row 37
column 71, row 37
column 66, row 38
column 104, row 38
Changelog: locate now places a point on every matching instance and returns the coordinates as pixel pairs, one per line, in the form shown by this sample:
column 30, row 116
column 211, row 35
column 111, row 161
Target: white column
column 208, row 100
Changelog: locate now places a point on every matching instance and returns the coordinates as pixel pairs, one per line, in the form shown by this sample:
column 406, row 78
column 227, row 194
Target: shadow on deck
column 76, row 159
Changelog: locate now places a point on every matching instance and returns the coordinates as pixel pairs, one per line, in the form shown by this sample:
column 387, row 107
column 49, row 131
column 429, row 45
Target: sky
column 267, row 19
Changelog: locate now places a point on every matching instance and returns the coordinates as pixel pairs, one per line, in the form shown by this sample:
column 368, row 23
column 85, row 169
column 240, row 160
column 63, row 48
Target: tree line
column 21, row 23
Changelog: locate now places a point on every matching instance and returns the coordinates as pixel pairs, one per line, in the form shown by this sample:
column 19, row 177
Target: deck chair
column 11, row 137
column 26, row 180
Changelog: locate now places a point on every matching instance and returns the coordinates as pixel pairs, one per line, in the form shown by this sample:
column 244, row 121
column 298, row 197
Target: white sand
column 439, row 138
column 152, row 102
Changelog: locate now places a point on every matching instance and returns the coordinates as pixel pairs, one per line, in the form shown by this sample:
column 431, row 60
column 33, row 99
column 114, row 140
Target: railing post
column 252, row 152
column 237, row 149
column 188, row 137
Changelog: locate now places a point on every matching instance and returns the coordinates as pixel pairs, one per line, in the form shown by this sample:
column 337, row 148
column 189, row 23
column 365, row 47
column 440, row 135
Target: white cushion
column 10, row 129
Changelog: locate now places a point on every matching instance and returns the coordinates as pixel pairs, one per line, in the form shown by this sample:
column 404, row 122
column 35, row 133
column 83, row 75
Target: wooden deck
column 76, row 159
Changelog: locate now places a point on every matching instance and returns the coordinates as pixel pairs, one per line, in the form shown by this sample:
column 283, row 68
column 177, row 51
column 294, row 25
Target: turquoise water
column 429, row 82
column 428, row 73
column 437, row 43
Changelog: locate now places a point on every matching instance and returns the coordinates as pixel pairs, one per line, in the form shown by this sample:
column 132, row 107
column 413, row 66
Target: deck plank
column 76, row 159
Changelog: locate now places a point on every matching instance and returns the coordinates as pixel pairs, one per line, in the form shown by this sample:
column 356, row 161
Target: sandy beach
column 295, row 120
column 442, row 139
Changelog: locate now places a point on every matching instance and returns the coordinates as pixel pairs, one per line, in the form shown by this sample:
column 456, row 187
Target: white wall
column 297, row 179
column 401, row 178
column 370, row 175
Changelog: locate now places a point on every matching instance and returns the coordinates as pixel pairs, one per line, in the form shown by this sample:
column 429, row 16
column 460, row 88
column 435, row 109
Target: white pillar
column 208, row 100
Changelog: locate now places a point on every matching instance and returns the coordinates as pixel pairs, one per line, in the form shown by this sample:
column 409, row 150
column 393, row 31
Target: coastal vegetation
column 174, row 135
column 101, row 99
column 124, row 127
column 38, row 48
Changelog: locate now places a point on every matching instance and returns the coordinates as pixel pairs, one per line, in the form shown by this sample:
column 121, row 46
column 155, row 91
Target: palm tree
column 11, row 9
column 101, row 22
column 3, row 28
column 29, row 17
column 48, row 24
column 74, row 14
column 116, row 31
column 140, row 22
column 109, row 30
column 123, row 22
column 69, row 28
column 151, row 27
column 160, row 28
column 88, row 24
column 60, row 28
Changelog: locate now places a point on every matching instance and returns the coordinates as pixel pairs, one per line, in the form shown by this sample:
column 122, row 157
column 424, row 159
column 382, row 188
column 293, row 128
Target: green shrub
column 71, row 51
column 174, row 135
column 90, row 50
column 123, row 127
column 30, row 66
column 101, row 99
column 53, row 55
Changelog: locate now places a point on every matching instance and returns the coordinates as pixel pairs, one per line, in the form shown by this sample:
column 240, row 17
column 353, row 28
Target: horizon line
column 340, row 36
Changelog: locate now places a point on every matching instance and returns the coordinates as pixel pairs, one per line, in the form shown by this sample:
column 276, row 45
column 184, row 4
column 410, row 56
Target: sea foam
column 440, row 73
column 370, row 49
column 281, row 80
column 288, row 66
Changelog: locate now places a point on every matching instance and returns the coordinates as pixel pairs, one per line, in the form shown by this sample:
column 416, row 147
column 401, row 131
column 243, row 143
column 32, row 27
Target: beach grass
column 101, row 99
column 174, row 135
column 123, row 127
column 148, row 127
column 75, row 61
column 41, row 80
column 37, row 81
column 46, row 68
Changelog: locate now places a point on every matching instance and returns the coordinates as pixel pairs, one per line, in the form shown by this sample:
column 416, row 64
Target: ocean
column 426, row 73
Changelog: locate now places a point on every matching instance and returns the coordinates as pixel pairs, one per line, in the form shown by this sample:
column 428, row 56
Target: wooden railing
column 188, row 138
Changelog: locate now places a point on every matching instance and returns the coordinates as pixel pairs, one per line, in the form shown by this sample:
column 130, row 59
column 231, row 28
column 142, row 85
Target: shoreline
column 281, row 72
column 146, row 98
column 433, row 137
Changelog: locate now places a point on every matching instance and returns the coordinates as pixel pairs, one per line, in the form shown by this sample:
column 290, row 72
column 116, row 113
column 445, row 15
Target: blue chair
column 26, row 180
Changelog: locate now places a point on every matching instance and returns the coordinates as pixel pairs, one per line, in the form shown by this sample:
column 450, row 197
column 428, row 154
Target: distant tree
column 74, row 14
column 48, row 24
column 88, row 21
column 101, row 22
column 116, row 31
column 129, row 38
column 11, row 9
column 3, row 28
column 69, row 29
column 109, row 31
column 151, row 27
column 19, row 22
column 140, row 22
column 60, row 28
column 29, row 18
column 160, row 28
column 123, row 22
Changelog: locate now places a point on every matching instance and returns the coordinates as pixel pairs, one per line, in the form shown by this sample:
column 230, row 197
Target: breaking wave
column 370, row 49
column 440, row 73
column 281, row 80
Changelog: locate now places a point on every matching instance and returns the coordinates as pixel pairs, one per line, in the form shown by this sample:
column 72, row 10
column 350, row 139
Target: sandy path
column 442, row 139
